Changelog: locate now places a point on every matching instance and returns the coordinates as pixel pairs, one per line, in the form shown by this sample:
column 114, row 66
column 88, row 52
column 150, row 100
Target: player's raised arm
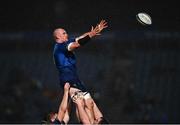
column 86, row 37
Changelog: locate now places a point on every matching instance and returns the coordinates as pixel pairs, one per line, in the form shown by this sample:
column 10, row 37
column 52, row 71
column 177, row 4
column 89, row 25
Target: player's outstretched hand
column 102, row 25
column 98, row 28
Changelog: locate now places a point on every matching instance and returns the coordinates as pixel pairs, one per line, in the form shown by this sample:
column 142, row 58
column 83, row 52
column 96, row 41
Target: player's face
column 63, row 35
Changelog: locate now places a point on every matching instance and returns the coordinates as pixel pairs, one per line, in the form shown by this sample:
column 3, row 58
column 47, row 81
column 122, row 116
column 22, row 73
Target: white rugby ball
column 144, row 18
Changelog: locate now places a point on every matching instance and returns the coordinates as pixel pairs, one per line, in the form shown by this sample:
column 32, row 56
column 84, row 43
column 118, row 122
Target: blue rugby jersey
column 65, row 62
column 63, row 57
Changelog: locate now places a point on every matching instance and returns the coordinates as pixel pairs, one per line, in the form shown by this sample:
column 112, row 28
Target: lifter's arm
column 64, row 103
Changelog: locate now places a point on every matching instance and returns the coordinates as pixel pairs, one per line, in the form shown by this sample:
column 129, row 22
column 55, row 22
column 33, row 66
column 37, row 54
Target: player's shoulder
column 72, row 39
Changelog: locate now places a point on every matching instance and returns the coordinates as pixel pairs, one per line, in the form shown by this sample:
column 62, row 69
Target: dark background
column 131, row 70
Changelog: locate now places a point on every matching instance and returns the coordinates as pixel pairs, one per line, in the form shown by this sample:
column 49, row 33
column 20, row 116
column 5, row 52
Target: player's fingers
column 102, row 22
column 92, row 28
column 105, row 26
column 105, row 23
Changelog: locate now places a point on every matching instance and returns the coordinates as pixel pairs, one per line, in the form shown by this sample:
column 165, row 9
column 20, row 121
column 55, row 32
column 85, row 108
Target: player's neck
column 59, row 41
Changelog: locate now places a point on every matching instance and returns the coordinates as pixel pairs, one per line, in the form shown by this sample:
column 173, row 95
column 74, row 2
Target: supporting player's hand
column 78, row 97
column 78, row 100
column 66, row 87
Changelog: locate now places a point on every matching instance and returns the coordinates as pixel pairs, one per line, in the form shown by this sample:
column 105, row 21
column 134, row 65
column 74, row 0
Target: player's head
column 60, row 35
